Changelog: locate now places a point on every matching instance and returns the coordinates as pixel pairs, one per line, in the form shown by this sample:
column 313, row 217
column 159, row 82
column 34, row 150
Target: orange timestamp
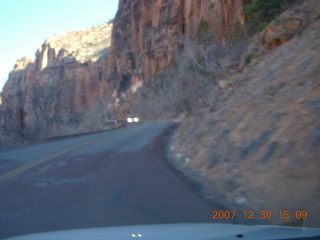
column 259, row 215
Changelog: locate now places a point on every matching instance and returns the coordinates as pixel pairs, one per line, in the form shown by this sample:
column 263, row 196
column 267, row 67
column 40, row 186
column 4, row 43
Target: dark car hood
column 186, row 231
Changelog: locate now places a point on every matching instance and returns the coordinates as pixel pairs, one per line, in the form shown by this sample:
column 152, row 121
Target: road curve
column 112, row 178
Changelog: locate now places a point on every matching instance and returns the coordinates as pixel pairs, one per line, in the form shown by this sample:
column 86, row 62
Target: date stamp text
column 259, row 215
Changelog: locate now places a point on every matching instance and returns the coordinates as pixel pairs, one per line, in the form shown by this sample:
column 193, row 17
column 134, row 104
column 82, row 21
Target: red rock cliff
column 146, row 34
column 62, row 90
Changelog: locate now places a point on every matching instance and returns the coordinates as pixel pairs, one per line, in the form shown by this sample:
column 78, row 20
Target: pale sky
column 26, row 24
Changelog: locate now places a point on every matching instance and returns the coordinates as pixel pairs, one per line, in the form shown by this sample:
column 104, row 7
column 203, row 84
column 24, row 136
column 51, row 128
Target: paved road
column 111, row 178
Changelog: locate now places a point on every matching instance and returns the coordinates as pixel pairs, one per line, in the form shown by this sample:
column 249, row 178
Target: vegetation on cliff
column 260, row 12
column 193, row 76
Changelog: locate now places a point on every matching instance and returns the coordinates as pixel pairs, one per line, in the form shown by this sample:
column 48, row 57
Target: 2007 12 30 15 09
column 259, row 215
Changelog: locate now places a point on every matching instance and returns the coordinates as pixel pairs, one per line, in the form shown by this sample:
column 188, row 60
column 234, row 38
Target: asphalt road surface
column 112, row 178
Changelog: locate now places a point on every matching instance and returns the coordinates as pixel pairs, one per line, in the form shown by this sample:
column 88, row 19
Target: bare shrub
column 10, row 122
column 185, row 87
column 45, row 118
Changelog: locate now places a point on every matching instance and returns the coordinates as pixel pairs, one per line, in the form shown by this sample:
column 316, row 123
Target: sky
column 26, row 24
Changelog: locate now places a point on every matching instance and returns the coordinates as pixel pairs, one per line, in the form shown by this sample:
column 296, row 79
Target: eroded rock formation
column 62, row 90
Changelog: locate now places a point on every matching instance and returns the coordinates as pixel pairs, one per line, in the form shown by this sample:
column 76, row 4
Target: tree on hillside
column 193, row 76
column 41, row 96
column 11, row 119
column 261, row 12
column 52, row 120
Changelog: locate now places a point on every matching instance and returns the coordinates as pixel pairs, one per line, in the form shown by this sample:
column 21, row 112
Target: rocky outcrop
column 284, row 28
column 62, row 90
column 81, row 46
column 148, row 34
column 23, row 63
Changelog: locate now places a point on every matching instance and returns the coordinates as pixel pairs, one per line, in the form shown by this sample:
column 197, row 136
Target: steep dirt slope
column 259, row 148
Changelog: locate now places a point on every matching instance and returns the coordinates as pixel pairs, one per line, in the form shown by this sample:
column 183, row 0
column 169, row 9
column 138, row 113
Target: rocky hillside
column 62, row 90
column 256, row 145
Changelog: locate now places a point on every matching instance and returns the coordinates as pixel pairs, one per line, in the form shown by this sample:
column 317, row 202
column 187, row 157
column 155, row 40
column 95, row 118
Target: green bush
column 238, row 32
column 261, row 12
column 251, row 52
column 203, row 37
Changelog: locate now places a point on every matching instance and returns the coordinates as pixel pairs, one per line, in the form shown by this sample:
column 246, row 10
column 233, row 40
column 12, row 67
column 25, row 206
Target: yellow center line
column 33, row 164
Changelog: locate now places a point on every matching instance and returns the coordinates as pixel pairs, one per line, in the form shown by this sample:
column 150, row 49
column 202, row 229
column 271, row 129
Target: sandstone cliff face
column 147, row 34
column 61, row 87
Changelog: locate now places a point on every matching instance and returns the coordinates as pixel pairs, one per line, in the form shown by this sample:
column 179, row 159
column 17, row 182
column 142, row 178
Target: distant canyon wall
column 62, row 90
